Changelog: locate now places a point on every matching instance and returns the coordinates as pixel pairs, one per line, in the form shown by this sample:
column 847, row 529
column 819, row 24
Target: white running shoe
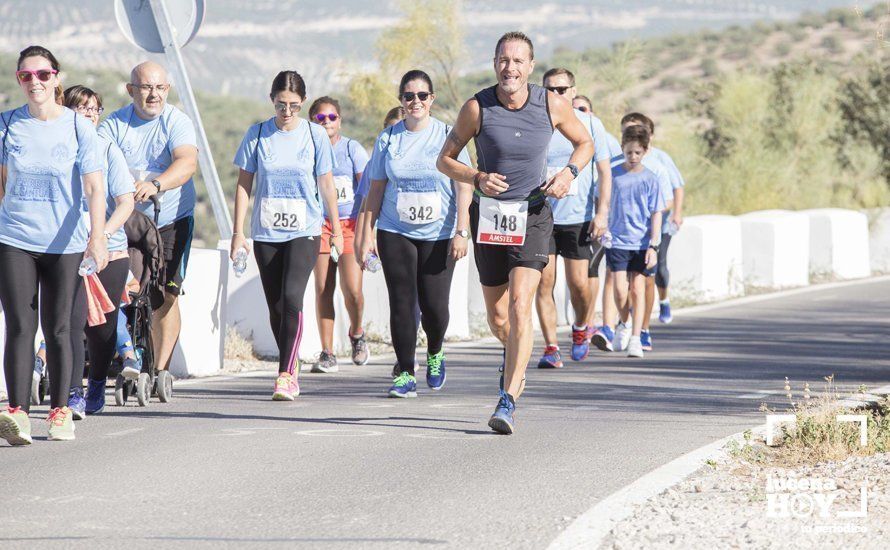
column 635, row 347
column 622, row 337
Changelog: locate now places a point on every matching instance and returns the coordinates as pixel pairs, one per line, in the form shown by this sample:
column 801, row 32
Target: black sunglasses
column 409, row 96
column 561, row 90
column 583, row 108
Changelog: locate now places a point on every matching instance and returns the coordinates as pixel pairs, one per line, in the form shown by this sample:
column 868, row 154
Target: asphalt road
column 346, row 467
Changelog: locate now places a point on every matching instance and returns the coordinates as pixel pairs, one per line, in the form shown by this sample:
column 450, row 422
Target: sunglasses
column 283, row 107
column 561, row 90
column 42, row 75
column 409, row 96
column 330, row 116
column 583, row 109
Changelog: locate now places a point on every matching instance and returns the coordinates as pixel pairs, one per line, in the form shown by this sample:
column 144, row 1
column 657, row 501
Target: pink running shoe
column 286, row 387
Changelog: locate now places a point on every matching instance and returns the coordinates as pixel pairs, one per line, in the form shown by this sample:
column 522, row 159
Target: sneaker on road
column 36, row 376
column 634, row 347
column 15, row 427
column 327, row 362
column 77, row 404
column 622, row 337
column 286, row 387
column 435, row 371
column 551, row 359
column 131, row 368
column 61, row 424
column 360, row 352
column 396, row 370
column 580, row 343
column 646, row 340
column 602, row 338
column 404, row 385
column 664, row 312
column 95, row 397
column 502, row 419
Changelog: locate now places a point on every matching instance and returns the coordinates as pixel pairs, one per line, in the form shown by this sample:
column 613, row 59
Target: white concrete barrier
column 2, row 348
column 705, row 259
column 775, row 248
column 879, row 239
column 200, row 350
column 839, row 243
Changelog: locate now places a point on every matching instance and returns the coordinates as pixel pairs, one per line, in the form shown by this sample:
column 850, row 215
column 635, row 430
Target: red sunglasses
column 42, row 75
column 330, row 116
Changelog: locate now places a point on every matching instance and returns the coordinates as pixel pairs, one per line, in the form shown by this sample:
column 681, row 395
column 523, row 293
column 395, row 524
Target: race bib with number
column 502, row 222
column 283, row 214
column 345, row 193
column 419, row 208
column 553, row 170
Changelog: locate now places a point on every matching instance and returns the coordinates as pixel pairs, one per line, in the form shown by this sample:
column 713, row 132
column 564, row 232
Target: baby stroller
column 146, row 262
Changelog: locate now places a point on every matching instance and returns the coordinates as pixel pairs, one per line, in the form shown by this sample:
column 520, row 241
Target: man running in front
column 512, row 123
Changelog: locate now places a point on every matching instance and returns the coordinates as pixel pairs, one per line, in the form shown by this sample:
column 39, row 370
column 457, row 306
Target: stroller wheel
column 143, row 389
column 120, row 391
column 165, row 386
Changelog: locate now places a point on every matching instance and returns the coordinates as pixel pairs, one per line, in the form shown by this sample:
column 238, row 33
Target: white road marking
column 759, row 394
column 123, row 432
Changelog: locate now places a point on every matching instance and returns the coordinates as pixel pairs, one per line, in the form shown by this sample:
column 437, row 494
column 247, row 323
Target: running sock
column 576, row 327
column 665, row 302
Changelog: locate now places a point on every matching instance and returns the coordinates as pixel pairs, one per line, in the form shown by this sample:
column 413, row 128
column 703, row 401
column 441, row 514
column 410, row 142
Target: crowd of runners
column 548, row 181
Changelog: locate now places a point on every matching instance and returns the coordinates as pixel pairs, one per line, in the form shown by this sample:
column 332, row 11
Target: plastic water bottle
column 673, row 228
column 87, row 267
column 373, row 264
column 606, row 240
column 240, row 263
column 335, row 253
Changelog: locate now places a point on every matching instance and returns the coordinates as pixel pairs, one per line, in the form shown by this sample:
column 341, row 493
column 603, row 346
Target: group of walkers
column 550, row 181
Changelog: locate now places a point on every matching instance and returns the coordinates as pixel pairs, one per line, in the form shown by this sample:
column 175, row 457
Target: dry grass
column 238, row 347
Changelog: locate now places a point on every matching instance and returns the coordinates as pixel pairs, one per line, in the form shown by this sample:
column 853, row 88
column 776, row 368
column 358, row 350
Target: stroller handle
column 157, row 204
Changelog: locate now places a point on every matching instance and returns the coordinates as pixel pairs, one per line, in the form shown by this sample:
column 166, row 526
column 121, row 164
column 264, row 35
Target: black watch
column 157, row 185
column 654, row 247
column 573, row 169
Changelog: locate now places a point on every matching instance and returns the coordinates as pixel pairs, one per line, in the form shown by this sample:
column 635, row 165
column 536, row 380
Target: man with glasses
column 572, row 227
column 513, row 123
column 159, row 143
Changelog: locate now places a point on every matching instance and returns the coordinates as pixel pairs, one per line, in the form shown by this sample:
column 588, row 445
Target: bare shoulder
column 560, row 108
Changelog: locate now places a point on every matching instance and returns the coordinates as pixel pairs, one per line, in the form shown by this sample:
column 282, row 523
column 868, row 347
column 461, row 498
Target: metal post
column 205, row 156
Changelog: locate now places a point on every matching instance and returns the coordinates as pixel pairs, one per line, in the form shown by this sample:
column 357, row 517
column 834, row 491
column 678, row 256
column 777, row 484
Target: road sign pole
column 205, row 156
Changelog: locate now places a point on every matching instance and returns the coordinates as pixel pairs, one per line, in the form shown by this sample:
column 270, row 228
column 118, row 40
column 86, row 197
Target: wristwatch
column 462, row 233
column 107, row 235
column 654, row 247
column 573, row 169
column 157, row 185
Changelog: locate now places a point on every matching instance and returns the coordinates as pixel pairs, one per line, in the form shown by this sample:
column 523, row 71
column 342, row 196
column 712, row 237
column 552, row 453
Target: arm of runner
column 464, row 192
column 94, row 189
column 185, row 162
column 467, row 126
column 654, row 237
column 2, row 182
column 371, row 210
column 601, row 219
column 242, row 198
column 329, row 196
column 677, row 216
column 567, row 123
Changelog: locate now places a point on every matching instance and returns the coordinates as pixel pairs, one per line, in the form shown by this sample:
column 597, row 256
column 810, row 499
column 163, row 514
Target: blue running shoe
column 502, row 419
column 646, row 340
column 95, row 398
column 435, row 371
column 551, row 359
column 664, row 312
column 404, row 385
column 580, row 343
column 602, row 338
column 77, row 404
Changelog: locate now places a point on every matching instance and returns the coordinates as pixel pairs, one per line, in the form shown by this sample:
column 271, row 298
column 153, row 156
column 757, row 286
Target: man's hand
column 599, row 226
column 492, row 184
column 677, row 219
column 145, row 189
column 559, row 185
column 651, row 258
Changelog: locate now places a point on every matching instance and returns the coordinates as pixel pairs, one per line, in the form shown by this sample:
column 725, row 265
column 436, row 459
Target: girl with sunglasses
column 416, row 209
column 351, row 161
column 102, row 339
column 49, row 162
column 291, row 160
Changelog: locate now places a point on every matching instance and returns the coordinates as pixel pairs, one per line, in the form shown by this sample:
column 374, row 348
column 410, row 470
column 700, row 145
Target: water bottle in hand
column 87, row 267
column 673, row 228
column 372, row 264
column 240, row 263
column 606, row 240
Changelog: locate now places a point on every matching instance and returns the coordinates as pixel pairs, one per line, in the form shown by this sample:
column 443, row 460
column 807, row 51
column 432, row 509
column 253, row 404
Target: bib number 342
column 502, row 222
column 419, row 208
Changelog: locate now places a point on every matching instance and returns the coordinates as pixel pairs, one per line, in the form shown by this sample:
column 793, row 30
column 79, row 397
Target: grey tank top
column 514, row 142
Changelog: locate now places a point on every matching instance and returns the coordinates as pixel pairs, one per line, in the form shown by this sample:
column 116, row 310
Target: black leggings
column 101, row 339
column 284, row 271
column 422, row 269
column 22, row 275
column 662, row 275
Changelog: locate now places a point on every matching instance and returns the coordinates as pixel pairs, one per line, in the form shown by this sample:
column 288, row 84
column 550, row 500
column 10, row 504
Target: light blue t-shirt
column 287, row 201
column 615, row 151
column 635, row 197
column 148, row 147
column 661, row 163
column 44, row 160
column 578, row 206
column 419, row 201
column 351, row 161
column 118, row 181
